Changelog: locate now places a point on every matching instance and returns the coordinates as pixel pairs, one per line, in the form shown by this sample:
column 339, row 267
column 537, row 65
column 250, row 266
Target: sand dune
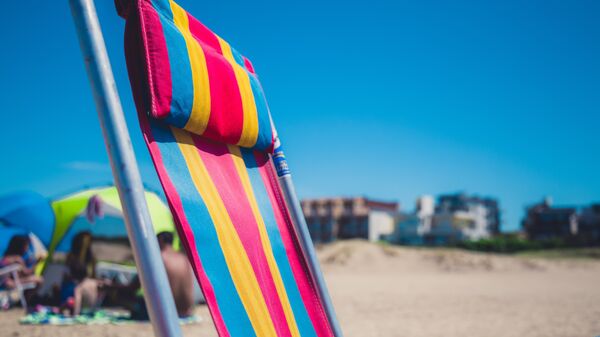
column 392, row 291
column 395, row 291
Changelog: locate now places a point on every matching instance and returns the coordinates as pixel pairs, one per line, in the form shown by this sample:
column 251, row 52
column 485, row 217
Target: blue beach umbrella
column 24, row 213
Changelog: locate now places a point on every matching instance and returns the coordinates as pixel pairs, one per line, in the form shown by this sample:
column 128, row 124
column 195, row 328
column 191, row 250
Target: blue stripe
column 238, row 58
column 265, row 131
column 163, row 7
column 182, row 96
column 305, row 325
column 207, row 243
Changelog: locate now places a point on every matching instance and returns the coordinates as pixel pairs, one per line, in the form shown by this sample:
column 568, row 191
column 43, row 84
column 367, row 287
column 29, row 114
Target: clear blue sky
column 389, row 99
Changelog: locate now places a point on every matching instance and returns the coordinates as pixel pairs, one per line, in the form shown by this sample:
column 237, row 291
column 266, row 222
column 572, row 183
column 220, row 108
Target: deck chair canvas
column 207, row 126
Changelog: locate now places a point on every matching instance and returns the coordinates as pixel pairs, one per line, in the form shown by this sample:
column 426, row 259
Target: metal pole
column 299, row 222
column 153, row 277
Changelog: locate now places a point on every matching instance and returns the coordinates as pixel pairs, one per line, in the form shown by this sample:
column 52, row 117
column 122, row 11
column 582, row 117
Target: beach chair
column 206, row 123
column 20, row 288
column 117, row 272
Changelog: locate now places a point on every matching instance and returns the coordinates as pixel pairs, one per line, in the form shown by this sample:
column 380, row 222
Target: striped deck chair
column 208, row 128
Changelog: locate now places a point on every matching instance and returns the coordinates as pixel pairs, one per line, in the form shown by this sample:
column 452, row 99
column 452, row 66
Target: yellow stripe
column 264, row 237
column 235, row 256
column 201, row 105
column 250, row 121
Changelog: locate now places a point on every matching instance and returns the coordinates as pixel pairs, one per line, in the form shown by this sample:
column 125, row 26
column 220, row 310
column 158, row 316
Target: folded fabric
column 215, row 166
column 195, row 80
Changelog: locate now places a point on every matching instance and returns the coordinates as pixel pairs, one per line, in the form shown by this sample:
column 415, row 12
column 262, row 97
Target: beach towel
column 46, row 316
column 207, row 126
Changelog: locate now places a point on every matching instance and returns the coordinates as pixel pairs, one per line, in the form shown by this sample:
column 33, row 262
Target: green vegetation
column 510, row 244
column 565, row 253
column 513, row 244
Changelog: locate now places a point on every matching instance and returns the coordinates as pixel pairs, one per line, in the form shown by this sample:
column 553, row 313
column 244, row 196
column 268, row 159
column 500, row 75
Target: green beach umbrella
column 99, row 211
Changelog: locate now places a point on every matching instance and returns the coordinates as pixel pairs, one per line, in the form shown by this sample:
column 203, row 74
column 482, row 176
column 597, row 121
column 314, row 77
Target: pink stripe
column 225, row 121
column 248, row 65
column 159, row 72
column 202, row 33
column 183, row 228
column 222, row 170
column 303, row 280
column 226, row 111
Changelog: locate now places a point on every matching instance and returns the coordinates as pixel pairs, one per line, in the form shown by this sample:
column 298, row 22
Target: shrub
column 509, row 244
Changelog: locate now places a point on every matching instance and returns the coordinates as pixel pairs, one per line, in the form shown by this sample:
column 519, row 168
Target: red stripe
column 248, row 65
column 226, row 110
column 159, row 71
column 185, row 233
column 222, row 170
column 303, row 280
column 202, row 33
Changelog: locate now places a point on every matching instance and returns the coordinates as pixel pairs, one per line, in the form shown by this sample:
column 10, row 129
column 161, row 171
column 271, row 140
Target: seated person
column 179, row 273
column 81, row 253
column 79, row 292
column 181, row 280
column 15, row 253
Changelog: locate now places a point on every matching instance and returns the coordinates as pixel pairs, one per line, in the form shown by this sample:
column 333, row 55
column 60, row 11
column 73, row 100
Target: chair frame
column 13, row 270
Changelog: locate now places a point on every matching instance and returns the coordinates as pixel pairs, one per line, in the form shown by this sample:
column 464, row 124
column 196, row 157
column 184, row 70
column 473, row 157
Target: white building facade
column 453, row 219
column 330, row 219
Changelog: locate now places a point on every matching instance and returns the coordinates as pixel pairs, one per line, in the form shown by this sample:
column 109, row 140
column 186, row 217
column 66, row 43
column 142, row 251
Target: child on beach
column 79, row 292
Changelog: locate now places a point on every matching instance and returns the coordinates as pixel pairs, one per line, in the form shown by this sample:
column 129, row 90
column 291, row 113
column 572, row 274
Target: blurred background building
column 573, row 226
column 331, row 219
column 446, row 220
column 454, row 218
column 588, row 225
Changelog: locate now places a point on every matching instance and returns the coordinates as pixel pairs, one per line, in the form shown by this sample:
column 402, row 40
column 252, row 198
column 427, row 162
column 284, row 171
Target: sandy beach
column 397, row 291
